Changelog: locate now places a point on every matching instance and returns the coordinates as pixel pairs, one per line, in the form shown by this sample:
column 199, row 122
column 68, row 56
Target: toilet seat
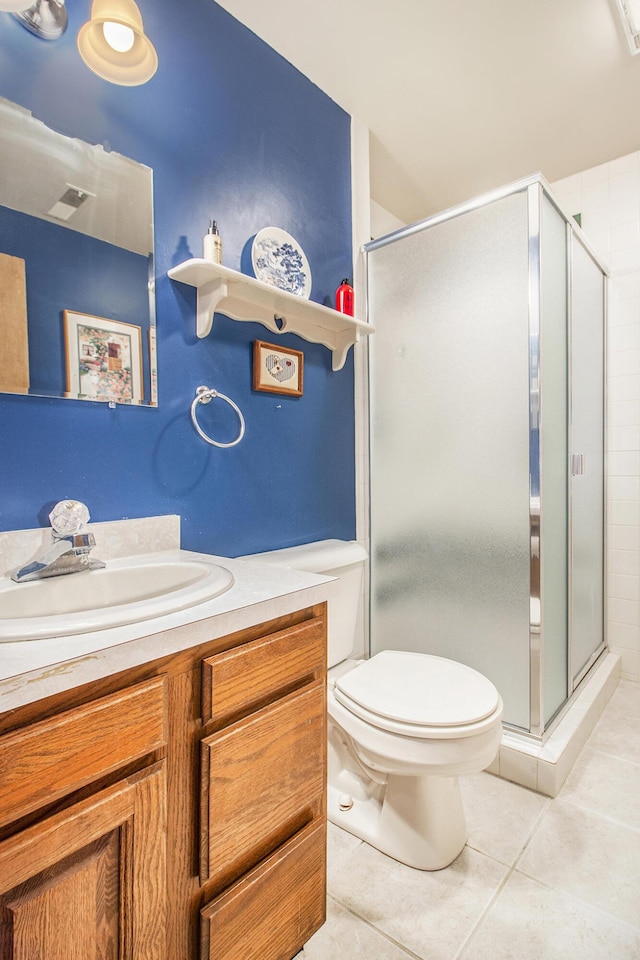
column 419, row 695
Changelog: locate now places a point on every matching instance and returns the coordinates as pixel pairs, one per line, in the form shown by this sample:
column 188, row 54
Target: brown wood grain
column 14, row 356
column 182, row 833
column 258, row 775
column 73, row 737
column 275, row 909
column 91, row 881
column 57, row 756
column 254, row 672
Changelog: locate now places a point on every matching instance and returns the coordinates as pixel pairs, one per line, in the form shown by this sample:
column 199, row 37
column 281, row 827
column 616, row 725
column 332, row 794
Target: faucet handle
column 68, row 517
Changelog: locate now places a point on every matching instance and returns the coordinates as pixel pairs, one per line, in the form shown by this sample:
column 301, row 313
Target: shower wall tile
column 624, row 561
column 623, row 388
column 630, row 163
column 568, row 186
column 623, row 488
column 626, row 312
column 623, row 635
column 623, row 438
column 623, row 587
column 626, row 464
column 624, row 337
column 623, row 611
column 630, row 663
column 625, row 236
column 625, row 259
column 624, row 363
column 621, row 537
column 624, row 286
column 622, row 413
column 624, row 513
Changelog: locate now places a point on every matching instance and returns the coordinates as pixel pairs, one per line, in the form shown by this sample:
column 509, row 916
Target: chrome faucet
column 69, row 549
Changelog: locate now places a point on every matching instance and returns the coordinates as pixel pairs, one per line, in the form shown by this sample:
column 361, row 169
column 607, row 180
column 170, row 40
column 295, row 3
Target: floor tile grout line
column 597, row 813
column 488, row 907
column 568, row 895
column 610, row 753
column 542, row 815
column 511, row 869
column 377, row 930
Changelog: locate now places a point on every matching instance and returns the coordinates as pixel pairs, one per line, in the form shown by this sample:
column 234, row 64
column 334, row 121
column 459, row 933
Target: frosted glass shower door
column 450, row 524
column 587, row 488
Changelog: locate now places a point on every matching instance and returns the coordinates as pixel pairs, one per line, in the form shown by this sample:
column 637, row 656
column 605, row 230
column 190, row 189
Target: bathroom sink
column 125, row 591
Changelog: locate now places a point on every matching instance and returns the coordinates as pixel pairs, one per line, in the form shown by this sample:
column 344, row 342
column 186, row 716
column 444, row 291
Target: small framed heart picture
column 277, row 369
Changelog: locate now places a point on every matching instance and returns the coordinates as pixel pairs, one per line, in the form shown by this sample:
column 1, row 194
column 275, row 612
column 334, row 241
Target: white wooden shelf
column 221, row 290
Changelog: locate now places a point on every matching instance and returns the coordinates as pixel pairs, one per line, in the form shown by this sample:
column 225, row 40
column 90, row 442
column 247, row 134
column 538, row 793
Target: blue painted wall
column 66, row 270
column 232, row 131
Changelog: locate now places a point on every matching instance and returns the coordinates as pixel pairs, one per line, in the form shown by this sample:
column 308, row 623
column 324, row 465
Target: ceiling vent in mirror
column 69, row 203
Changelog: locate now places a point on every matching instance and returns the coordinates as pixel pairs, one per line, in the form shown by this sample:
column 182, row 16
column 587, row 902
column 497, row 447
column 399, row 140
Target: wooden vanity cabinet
column 88, row 877
column 174, row 811
column 263, row 788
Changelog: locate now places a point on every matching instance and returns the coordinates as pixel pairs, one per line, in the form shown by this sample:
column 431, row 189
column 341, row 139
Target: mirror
column 77, row 309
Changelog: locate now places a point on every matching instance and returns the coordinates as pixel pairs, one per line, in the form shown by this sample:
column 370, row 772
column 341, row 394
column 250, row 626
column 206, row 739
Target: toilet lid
column 419, row 689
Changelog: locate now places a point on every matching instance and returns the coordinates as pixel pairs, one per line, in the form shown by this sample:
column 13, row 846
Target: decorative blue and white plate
column 279, row 260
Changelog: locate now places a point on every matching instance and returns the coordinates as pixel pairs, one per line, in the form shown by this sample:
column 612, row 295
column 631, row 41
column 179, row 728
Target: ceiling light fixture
column 46, row 18
column 113, row 43
column 629, row 11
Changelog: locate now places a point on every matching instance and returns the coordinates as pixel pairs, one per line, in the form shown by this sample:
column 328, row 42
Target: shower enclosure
column 487, row 466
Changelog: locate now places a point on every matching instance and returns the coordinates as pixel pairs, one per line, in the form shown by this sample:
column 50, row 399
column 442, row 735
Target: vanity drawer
column 254, row 672
column 272, row 911
column 52, row 758
column 261, row 778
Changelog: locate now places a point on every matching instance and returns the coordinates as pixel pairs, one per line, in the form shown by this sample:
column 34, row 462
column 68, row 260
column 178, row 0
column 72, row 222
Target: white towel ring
column 206, row 395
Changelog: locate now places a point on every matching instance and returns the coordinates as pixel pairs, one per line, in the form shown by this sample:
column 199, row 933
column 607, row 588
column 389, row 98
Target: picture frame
column 277, row 369
column 103, row 359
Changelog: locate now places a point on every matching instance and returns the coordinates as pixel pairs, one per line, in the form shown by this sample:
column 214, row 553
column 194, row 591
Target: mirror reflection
column 77, row 310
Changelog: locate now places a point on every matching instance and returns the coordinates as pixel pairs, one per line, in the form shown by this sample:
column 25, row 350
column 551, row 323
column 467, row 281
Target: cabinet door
column 88, row 883
column 262, row 779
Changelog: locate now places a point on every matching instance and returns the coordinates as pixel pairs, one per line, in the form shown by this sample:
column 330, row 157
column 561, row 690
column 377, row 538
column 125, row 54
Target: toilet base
column 417, row 820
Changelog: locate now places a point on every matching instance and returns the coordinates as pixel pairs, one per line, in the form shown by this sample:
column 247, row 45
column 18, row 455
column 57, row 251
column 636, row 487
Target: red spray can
column 344, row 298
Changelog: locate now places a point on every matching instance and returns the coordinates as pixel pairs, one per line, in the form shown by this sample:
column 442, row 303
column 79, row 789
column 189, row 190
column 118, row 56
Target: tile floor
column 540, row 878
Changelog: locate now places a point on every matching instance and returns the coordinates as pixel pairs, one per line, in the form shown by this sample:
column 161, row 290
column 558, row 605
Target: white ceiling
column 462, row 96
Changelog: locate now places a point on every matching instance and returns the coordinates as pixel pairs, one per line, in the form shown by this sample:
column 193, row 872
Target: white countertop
column 33, row 669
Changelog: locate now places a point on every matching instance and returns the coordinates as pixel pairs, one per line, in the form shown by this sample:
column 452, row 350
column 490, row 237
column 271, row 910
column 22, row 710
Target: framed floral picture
column 277, row 369
column 103, row 359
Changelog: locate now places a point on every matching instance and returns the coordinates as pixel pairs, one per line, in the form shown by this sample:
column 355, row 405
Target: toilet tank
column 331, row 558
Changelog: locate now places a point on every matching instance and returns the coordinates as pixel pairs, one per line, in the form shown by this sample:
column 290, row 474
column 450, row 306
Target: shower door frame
column 536, row 187
column 575, row 236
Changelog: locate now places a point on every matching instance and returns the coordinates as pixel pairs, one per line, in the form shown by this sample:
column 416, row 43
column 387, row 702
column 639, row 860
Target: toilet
column 402, row 727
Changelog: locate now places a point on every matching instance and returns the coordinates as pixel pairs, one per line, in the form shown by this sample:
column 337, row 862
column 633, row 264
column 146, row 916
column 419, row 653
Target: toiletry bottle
column 344, row 298
column 212, row 244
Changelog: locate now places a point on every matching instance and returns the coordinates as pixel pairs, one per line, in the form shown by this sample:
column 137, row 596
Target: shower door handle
column 577, row 464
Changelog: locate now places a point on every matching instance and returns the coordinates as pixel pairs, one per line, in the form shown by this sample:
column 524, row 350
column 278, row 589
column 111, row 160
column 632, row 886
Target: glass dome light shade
column 129, row 68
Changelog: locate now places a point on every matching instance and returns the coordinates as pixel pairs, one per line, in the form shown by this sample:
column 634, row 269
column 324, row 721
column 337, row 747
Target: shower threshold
column 545, row 766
